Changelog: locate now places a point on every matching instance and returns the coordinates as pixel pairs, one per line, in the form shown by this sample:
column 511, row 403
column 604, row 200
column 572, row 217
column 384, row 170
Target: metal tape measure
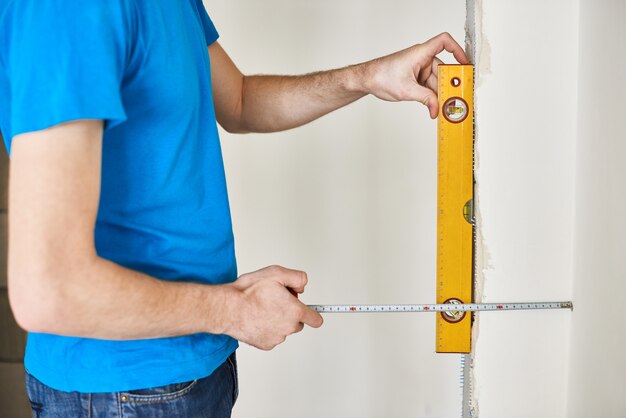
column 452, row 308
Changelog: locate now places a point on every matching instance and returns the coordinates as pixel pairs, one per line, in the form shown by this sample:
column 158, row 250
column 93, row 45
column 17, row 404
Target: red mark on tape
column 352, row 308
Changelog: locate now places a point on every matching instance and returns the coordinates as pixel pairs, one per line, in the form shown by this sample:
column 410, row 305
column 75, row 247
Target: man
column 121, row 255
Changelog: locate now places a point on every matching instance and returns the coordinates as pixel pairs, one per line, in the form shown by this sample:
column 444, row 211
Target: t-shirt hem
column 110, row 120
column 132, row 378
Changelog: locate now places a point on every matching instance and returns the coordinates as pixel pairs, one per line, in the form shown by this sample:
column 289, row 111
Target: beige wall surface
column 526, row 95
column 597, row 365
column 350, row 199
column 551, row 149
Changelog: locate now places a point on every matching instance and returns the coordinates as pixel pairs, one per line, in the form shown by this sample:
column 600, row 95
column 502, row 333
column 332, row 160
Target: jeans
column 211, row 397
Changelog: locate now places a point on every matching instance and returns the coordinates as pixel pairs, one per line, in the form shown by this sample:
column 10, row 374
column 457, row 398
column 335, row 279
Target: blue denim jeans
column 211, row 397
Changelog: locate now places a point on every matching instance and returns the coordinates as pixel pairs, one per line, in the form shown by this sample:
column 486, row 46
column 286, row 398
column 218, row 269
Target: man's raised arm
column 276, row 103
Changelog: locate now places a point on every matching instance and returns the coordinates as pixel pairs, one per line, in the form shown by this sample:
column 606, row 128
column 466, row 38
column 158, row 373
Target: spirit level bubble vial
column 455, row 212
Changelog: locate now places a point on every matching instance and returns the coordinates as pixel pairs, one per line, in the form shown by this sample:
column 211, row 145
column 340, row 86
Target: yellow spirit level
column 455, row 217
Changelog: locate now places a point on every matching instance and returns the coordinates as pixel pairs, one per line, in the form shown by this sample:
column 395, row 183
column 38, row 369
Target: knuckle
column 304, row 278
column 274, row 269
column 406, row 94
column 269, row 345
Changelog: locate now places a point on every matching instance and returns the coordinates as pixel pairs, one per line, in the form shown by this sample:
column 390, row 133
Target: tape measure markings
column 441, row 307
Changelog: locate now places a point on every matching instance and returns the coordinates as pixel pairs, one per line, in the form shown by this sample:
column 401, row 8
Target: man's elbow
column 40, row 294
column 34, row 307
column 233, row 127
column 47, row 288
column 31, row 319
column 231, row 118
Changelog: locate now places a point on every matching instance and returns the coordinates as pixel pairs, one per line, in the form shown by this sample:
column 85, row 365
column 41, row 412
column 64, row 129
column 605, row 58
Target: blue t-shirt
column 141, row 66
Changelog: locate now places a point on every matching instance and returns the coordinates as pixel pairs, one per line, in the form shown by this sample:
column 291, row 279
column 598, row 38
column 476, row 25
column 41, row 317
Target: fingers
column 293, row 279
column 298, row 328
column 297, row 280
column 432, row 83
column 428, row 98
column 435, row 66
column 269, row 312
column 445, row 41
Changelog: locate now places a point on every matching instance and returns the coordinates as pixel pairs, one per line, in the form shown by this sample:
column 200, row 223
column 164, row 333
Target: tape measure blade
column 441, row 307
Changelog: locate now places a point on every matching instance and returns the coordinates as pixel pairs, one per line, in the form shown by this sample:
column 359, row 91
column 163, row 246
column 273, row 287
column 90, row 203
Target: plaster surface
column 597, row 365
column 527, row 71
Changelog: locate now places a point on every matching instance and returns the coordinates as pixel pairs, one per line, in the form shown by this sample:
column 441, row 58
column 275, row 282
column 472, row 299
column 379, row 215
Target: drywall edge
column 478, row 51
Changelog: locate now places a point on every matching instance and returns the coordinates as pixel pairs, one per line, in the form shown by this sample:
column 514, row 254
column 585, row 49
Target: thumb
column 311, row 317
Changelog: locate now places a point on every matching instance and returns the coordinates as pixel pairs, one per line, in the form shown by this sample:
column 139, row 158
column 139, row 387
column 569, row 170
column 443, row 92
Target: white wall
column 526, row 100
column 597, row 378
column 350, row 199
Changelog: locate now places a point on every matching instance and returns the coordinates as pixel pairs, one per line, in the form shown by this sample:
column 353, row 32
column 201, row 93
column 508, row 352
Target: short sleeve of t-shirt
column 210, row 33
column 64, row 62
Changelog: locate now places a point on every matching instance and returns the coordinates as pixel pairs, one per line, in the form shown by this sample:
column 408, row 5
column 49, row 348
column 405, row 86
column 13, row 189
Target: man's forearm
column 57, row 282
column 276, row 103
column 97, row 298
column 59, row 285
